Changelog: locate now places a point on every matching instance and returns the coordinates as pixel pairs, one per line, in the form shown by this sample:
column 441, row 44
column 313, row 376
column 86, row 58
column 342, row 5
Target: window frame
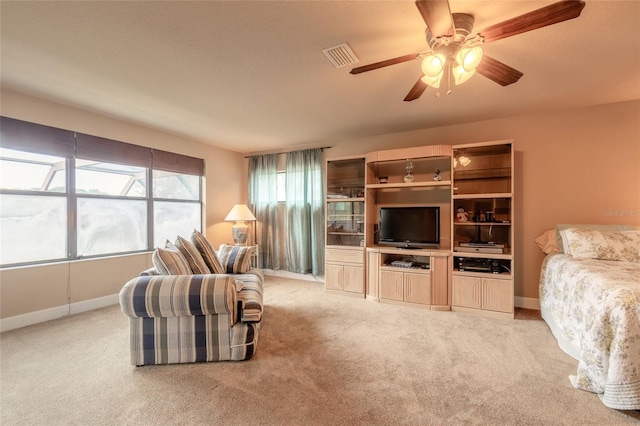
column 29, row 137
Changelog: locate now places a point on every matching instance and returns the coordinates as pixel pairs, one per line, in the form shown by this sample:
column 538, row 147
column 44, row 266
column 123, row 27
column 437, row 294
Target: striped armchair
column 193, row 318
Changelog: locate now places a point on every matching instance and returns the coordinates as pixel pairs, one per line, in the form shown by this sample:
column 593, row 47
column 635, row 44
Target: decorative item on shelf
column 461, row 215
column 437, row 176
column 408, row 177
column 383, row 179
column 240, row 213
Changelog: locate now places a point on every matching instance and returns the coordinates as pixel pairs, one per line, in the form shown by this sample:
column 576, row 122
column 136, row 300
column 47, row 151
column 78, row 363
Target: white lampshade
column 432, row 65
column 460, row 75
column 432, row 81
column 240, row 212
column 469, row 58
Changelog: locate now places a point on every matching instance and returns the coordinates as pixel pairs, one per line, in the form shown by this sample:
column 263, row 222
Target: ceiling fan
column 456, row 51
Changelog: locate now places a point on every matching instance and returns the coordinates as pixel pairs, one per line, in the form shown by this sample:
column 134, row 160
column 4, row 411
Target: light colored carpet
column 321, row 360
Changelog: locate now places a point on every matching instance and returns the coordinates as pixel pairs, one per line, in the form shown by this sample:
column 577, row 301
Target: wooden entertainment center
column 470, row 266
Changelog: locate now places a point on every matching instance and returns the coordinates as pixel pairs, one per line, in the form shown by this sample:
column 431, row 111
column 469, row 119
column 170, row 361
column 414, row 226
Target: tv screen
column 409, row 226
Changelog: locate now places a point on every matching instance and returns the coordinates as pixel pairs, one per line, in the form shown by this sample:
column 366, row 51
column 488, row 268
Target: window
column 176, row 205
column 33, row 207
column 111, row 208
column 67, row 196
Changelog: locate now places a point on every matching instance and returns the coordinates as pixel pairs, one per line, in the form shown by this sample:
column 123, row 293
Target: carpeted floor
column 321, row 360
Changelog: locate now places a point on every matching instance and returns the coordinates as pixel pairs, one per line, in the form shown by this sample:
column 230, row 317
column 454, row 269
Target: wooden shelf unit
column 477, row 178
column 345, row 226
column 482, row 194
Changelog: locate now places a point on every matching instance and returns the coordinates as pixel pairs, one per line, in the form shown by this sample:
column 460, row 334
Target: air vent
column 340, row 55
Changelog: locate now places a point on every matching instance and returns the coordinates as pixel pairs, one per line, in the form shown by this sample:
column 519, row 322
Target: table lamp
column 241, row 214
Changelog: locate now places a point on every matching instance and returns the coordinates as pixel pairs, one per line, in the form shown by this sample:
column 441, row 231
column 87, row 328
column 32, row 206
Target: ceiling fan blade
column 416, row 91
column 383, row 64
column 437, row 16
column 495, row 70
column 548, row 15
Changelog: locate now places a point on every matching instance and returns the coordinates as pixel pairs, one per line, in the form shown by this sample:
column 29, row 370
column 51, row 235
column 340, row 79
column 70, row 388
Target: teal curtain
column 304, row 212
column 263, row 200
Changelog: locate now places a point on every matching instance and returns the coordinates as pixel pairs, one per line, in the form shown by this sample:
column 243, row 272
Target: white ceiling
column 251, row 76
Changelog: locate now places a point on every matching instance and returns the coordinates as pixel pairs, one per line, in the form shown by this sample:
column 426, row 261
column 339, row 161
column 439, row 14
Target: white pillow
column 592, row 244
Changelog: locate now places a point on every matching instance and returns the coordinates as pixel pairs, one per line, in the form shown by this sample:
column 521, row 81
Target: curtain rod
column 322, row 148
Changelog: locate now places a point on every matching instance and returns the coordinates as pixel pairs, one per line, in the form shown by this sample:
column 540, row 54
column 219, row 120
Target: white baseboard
column 49, row 314
column 527, row 303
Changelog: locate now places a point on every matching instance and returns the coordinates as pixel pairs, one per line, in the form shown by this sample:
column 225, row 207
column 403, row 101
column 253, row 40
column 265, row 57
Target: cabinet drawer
column 345, row 256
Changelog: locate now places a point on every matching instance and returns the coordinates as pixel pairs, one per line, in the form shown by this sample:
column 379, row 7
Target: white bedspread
column 593, row 309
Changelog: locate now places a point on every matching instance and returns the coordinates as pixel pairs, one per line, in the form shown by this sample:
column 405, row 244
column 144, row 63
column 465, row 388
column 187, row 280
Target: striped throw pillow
column 193, row 256
column 235, row 259
column 170, row 262
column 207, row 252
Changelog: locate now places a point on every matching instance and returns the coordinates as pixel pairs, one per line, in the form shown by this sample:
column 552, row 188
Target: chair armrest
column 250, row 293
column 179, row 295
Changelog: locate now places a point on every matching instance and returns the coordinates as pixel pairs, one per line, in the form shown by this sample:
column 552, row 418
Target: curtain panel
column 305, row 212
column 263, row 200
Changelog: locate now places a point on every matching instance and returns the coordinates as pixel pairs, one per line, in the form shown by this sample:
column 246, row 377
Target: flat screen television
column 409, row 227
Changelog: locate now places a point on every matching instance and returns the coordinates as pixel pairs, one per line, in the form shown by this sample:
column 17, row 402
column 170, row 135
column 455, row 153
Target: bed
column 590, row 298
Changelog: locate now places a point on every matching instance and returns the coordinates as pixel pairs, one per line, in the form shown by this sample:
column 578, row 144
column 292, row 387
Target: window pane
column 31, row 172
column 173, row 219
column 34, row 228
column 111, row 226
column 93, row 177
column 175, row 186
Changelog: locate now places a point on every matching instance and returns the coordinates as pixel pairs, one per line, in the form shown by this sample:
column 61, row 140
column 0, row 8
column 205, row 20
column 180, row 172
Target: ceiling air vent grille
column 340, row 55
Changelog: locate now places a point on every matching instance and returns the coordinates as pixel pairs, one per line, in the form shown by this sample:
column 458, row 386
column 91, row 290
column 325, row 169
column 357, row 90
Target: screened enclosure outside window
column 175, row 186
column 34, row 228
column 107, row 226
column 98, row 178
column 171, row 219
column 65, row 195
column 33, row 207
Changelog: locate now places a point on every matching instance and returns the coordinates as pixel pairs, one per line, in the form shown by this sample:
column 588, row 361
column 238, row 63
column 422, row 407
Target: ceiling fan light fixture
column 433, row 64
column 460, row 75
column 432, row 81
column 469, row 57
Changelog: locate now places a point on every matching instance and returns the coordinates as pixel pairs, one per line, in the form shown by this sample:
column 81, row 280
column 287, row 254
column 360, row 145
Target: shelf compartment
column 483, row 169
column 345, row 178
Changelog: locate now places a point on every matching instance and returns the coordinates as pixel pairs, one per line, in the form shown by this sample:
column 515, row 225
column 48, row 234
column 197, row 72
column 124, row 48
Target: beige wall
column 571, row 167
column 29, row 289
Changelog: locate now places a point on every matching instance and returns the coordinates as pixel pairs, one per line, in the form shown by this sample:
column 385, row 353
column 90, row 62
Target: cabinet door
column 417, row 288
column 466, row 292
column 497, row 295
column 391, row 286
column 353, row 279
column 333, row 276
